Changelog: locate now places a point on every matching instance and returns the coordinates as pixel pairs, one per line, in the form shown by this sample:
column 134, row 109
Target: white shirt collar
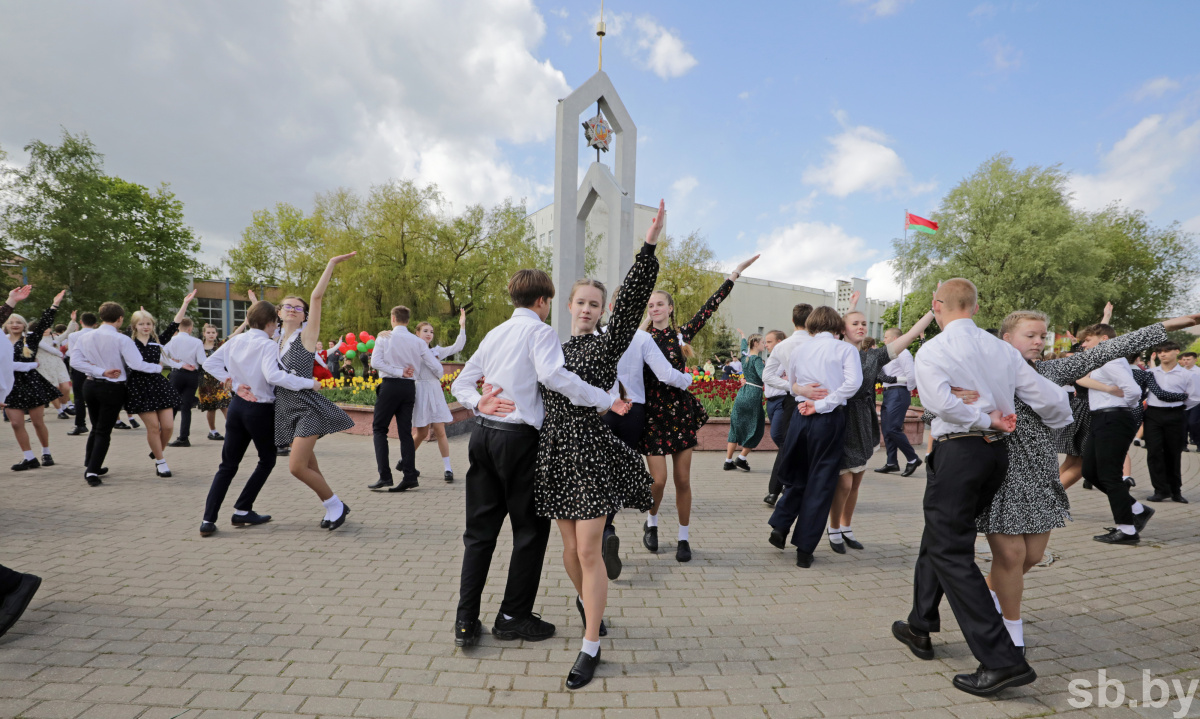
column 800, row 333
column 257, row 333
column 400, row 328
column 819, row 335
column 962, row 324
column 526, row 313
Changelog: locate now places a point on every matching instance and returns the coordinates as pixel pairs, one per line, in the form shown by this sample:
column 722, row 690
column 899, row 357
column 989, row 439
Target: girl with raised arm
column 31, row 392
column 302, row 417
column 673, row 415
column 430, row 411
column 150, row 395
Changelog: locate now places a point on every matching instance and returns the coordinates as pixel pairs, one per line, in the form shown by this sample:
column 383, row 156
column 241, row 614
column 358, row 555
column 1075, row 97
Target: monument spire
column 600, row 34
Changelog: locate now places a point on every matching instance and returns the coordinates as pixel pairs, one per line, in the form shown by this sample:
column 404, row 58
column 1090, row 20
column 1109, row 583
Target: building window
column 210, row 312
column 239, row 312
column 542, row 240
column 550, row 237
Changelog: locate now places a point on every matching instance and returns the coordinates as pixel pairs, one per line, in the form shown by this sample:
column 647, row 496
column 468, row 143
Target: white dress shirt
column 105, row 349
column 75, row 336
column 902, row 369
column 6, row 372
column 965, row 356
column 443, row 352
column 517, row 355
column 774, row 383
column 644, row 352
column 185, row 349
column 1118, row 374
column 394, row 354
column 251, row 359
column 831, row 363
column 1178, row 380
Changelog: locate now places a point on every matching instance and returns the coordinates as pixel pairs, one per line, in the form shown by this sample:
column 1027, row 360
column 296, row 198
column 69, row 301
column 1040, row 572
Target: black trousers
column 1103, row 456
column 1193, row 425
column 500, row 484
column 780, row 410
column 1165, row 433
column 963, row 476
column 246, row 422
column 395, row 399
column 9, row 580
column 629, row 429
column 185, row 382
column 811, row 453
column 105, row 400
column 77, row 382
column 895, row 407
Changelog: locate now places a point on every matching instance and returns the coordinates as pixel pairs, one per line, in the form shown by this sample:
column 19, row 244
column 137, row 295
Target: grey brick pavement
column 141, row 617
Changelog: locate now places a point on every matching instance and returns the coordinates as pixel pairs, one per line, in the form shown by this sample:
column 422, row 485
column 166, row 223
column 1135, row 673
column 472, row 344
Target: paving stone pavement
column 139, row 616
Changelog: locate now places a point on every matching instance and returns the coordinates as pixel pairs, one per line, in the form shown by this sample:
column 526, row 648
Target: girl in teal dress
column 747, row 420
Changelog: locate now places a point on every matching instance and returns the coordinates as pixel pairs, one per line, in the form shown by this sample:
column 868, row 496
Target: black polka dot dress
column 31, row 389
column 150, row 391
column 583, row 471
column 306, row 413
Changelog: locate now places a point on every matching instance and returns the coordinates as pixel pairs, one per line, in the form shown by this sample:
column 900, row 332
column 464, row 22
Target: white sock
column 683, row 533
column 506, row 617
column 997, row 601
column 744, row 455
column 846, row 532
column 160, row 461
column 1127, row 528
column 45, row 450
column 1138, row 507
column 1016, row 630
column 590, row 648
column 729, row 461
column 240, row 512
column 333, row 508
column 835, row 536
column 446, row 463
column 651, row 519
column 29, row 455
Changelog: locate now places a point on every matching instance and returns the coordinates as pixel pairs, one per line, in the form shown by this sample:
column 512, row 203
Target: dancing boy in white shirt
column 781, row 406
column 897, row 396
column 968, row 463
column 186, row 356
column 1165, row 424
column 248, row 364
column 514, row 357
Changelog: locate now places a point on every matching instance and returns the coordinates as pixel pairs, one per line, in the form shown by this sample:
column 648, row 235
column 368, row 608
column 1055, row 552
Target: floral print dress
column 673, row 415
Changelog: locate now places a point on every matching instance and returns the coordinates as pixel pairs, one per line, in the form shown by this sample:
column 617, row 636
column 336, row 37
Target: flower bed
column 716, row 395
column 360, row 391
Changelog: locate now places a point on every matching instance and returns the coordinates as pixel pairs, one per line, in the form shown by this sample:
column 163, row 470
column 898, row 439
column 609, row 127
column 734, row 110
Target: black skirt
column 146, row 392
column 31, row 389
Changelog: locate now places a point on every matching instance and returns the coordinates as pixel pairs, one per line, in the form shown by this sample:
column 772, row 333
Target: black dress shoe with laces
column 102, row 471
column 683, row 552
column 1141, row 520
column 741, row 464
column 650, row 537
column 180, row 442
column 610, row 552
column 466, row 634
column 1156, row 497
column 986, row 682
column 14, row 604
column 405, row 485
column 76, row 431
column 777, row 539
column 250, row 518
column 448, row 476
column 911, row 467
column 207, row 529
column 531, row 628
column 888, row 469
column 380, row 484
column 334, row 524
column 1116, row 536
column 920, row 644
column 803, row 559
column 92, row 480
column 1174, row 498
column 583, row 670
column 47, row 460
column 729, row 466
column 770, row 500
column 26, row 464
column 583, row 618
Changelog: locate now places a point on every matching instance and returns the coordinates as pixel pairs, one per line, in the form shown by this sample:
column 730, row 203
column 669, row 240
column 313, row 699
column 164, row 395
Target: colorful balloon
column 364, row 335
column 349, row 338
column 371, row 343
column 362, row 347
column 351, row 354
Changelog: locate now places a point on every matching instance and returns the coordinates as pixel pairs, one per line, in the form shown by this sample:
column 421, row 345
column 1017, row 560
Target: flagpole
column 903, row 277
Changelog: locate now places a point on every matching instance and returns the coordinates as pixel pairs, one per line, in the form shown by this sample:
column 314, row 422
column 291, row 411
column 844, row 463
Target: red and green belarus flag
column 920, row 224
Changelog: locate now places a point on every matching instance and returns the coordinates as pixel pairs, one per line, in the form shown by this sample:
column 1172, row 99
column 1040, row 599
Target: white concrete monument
column 572, row 204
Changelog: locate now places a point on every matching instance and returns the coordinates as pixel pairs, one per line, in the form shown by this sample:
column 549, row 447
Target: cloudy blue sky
column 802, row 130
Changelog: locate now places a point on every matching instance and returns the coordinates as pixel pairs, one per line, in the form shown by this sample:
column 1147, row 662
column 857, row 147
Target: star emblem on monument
column 597, row 133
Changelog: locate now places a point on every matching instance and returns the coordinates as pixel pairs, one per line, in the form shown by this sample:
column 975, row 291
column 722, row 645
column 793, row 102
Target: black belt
column 896, row 386
column 181, row 369
column 1107, row 410
column 103, row 379
column 1175, row 406
column 988, row 437
column 506, row 426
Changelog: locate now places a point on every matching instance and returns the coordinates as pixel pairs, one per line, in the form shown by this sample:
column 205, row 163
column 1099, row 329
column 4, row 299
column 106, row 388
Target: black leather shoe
column 911, row 467
column 770, row 500
column 729, row 466
column 76, row 431
column 1087, row 484
column 283, row 451
column 14, row 604
column 380, row 484
column 1156, row 497
column 683, row 552
column 531, row 628
column 405, row 485
column 741, row 464
column 583, row 618
column 448, row 476
column 26, row 464
column 133, row 423
column 160, row 473
column 92, row 480
column 1130, row 481
column 610, row 552
column 216, row 436
column 888, row 469
column 1116, row 536
column 803, row 559
column 777, row 539
column 207, row 529
column 250, row 518
column 839, row 547
column 1175, row 498
column 334, row 524
column 102, row 471
column 324, row 524
column 650, row 537
column 583, row 670
column 920, row 645
column 181, row 442
column 466, row 634
column 851, row 542
column 47, row 460
column 121, row 425
column 986, row 682
column 1140, row 520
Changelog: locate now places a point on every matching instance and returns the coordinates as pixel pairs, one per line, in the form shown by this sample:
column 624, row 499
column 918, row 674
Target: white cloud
column 1004, row 57
column 665, row 53
column 1155, row 88
column 744, row 95
column 683, row 187
column 882, row 8
column 560, row 13
column 983, row 10
column 882, row 282
column 860, row 160
column 815, row 254
column 1192, row 225
column 1139, row 170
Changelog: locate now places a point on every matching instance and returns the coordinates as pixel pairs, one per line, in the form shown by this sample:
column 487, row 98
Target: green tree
column 689, row 271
